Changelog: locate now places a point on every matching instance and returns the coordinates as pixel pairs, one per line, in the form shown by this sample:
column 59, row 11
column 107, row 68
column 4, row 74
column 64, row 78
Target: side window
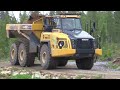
column 46, row 21
column 78, row 23
column 48, row 27
column 58, row 23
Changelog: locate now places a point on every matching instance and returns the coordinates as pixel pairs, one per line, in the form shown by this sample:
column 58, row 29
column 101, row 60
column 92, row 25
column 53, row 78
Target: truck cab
column 81, row 40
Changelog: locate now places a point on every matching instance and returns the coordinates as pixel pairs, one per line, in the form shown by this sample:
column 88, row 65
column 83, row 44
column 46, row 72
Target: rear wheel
column 14, row 53
column 47, row 62
column 25, row 58
column 85, row 64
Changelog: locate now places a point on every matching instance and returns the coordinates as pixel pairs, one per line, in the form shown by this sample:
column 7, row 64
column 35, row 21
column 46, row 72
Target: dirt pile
column 116, row 61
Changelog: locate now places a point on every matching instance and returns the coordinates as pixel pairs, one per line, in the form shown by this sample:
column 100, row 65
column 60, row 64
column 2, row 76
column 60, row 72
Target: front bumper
column 83, row 53
column 76, row 53
column 98, row 52
column 62, row 52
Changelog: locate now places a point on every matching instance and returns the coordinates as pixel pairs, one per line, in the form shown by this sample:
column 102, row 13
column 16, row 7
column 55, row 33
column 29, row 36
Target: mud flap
column 34, row 43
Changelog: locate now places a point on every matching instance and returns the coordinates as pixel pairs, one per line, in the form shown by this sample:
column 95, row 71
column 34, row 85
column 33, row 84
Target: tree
column 58, row 12
column 52, row 13
column 73, row 12
column 13, row 19
column 117, row 25
column 84, row 21
column 4, row 42
column 2, row 15
column 23, row 17
column 91, row 18
column 110, row 25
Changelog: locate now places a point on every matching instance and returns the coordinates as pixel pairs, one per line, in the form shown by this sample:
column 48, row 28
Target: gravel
column 70, row 71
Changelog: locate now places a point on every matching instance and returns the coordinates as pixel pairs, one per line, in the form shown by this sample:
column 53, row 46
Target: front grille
column 84, row 44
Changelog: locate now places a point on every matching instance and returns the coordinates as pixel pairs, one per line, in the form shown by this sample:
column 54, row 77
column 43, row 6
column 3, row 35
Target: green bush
column 110, row 50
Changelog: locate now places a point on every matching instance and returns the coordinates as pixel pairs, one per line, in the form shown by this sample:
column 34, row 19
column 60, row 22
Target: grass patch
column 97, row 77
column 4, row 59
column 62, row 77
column 2, row 75
column 79, row 77
column 19, row 76
column 15, row 69
column 36, row 78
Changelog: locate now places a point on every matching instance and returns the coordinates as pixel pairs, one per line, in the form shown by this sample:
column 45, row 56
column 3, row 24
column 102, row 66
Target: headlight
column 73, row 43
column 61, row 44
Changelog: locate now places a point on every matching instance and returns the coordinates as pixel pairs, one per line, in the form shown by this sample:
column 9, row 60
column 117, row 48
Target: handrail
column 36, row 20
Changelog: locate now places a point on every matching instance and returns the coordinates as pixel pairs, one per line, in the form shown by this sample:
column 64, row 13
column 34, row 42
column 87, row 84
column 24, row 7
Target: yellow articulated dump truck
column 54, row 40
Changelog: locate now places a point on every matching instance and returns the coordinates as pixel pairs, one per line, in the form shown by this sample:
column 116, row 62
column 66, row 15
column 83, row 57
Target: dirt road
column 99, row 70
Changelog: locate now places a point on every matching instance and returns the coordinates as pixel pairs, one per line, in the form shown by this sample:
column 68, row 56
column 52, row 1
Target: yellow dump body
column 36, row 27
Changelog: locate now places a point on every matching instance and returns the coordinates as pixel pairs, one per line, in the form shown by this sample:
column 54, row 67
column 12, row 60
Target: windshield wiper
column 78, row 29
column 70, row 29
column 74, row 29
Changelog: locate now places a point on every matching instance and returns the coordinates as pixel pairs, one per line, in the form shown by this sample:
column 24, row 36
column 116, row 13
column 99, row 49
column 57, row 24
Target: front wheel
column 85, row 63
column 47, row 62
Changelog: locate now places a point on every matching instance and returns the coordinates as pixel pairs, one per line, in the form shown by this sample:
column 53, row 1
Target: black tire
column 14, row 53
column 47, row 62
column 62, row 62
column 85, row 64
column 31, row 60
column 25, row 58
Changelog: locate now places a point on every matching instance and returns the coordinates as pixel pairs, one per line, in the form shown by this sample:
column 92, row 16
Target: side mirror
column 99, row 41
column 93, row 28
column 86, row 26
column 94, row 25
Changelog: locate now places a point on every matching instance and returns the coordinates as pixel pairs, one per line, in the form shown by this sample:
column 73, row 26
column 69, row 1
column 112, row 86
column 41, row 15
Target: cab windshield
column 71, row 24
column 68, row 23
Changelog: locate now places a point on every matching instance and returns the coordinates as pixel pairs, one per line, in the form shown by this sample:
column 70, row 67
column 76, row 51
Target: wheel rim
column 21, row 55
column 12, row 53
column 44, row 57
